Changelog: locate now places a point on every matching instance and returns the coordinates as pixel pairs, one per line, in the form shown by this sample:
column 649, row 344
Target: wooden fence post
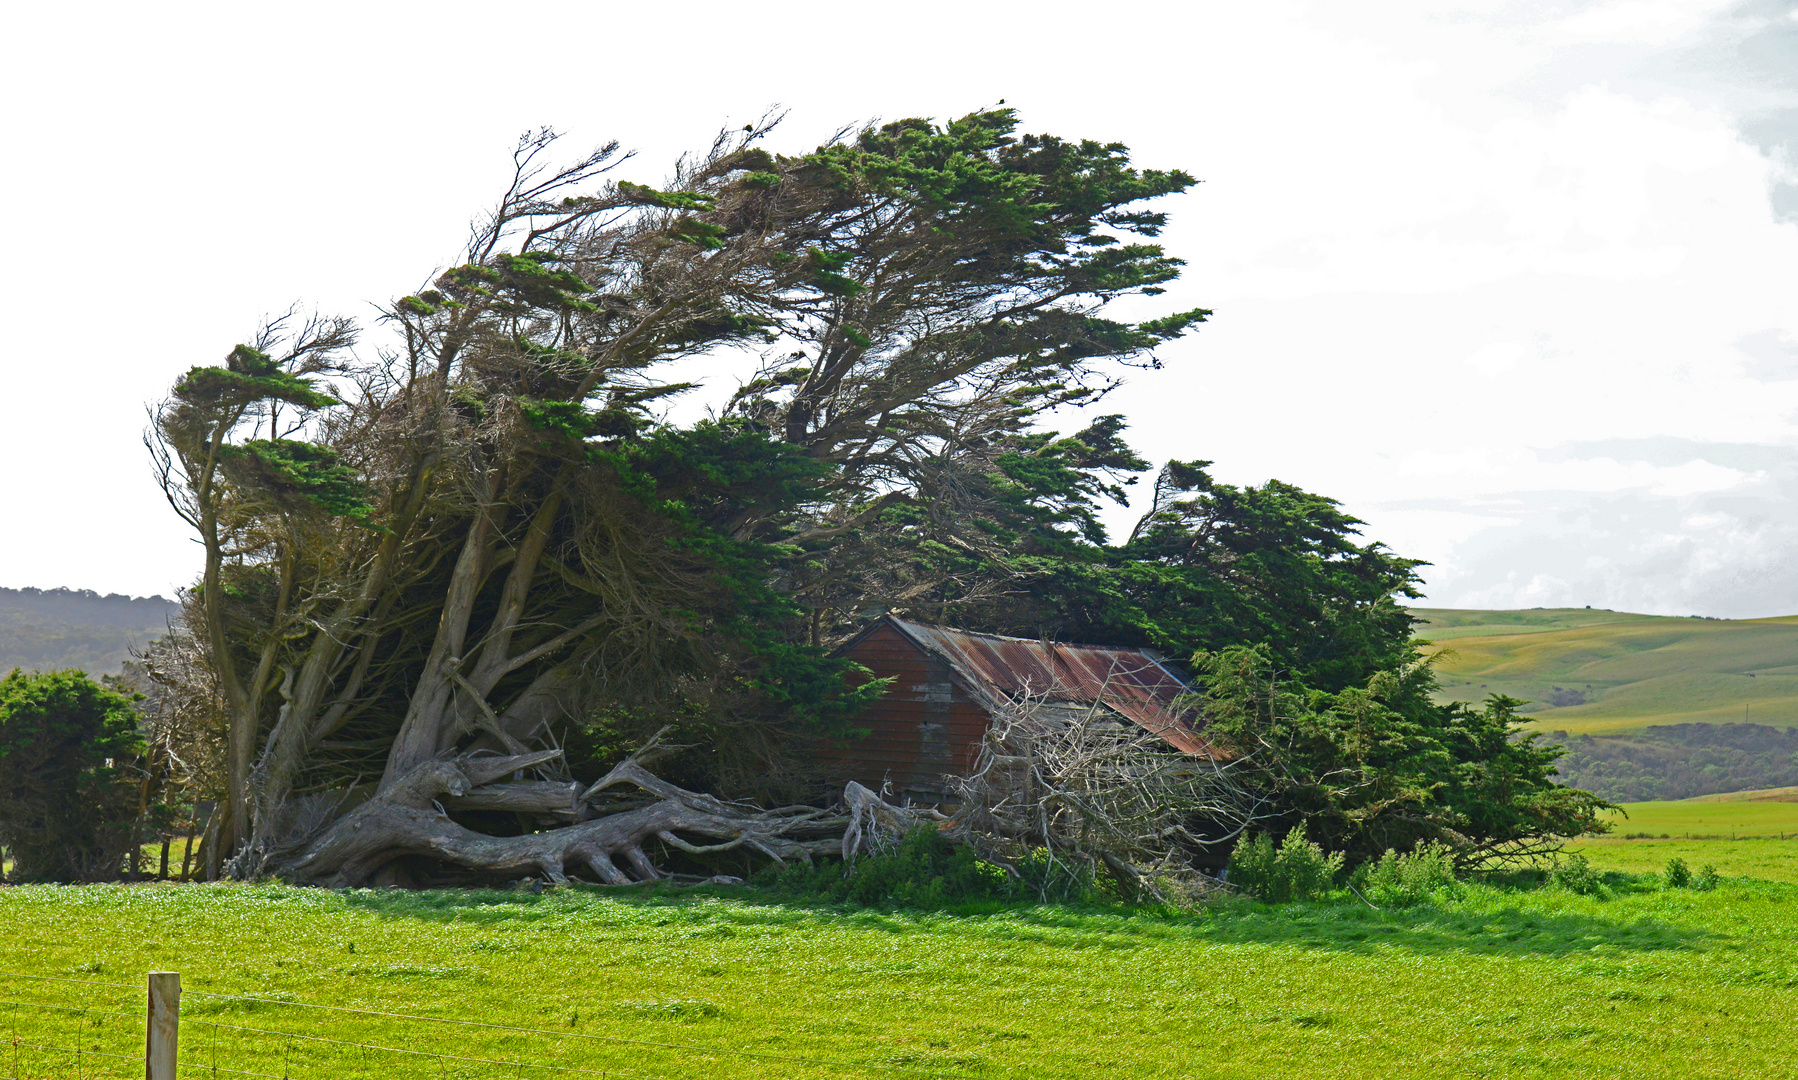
column 162, row 1030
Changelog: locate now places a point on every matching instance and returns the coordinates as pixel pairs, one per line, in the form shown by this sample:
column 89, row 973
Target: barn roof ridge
column 1150, row 653
column 995, row 665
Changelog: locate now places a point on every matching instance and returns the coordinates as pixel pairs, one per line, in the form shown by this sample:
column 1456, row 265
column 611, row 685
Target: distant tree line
column 58, row 629
column 84, row 607
column 1680, row 761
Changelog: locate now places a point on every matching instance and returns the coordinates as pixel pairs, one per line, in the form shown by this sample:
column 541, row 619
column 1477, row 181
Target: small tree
column 1387, row 766
column 67, row 803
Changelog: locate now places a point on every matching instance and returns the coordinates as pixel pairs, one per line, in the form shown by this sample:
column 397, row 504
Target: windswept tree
column 427, row 567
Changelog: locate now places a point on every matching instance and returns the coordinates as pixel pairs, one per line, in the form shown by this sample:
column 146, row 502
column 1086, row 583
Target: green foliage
column 574, row 421
column 1386, row 767
column 1053, row 485
column 67, row 797
column 1678, row 875
column 526, row 283
column 531, row 282
column 1212, row 566
column 1401, row 880
column 1296, row 870
column 643, row 195
column 706, row 478
column 231, row 387
column 702, row 234
column 304, row 471
column 825, row 271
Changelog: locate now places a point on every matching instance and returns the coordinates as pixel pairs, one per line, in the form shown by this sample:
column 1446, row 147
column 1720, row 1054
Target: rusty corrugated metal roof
column 1131, row 682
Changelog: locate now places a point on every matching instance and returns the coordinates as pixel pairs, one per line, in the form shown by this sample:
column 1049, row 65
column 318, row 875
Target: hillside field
column 1504, row 981
column 1603, row 672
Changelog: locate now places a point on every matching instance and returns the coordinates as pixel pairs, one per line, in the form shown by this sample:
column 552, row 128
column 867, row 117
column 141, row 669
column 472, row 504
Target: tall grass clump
column 1575, row 874
column 1296, row 870
column 1397, row 880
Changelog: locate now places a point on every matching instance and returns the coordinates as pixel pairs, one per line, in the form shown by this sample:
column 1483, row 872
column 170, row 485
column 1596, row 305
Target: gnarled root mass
column 1092, row 795
column 409, row 819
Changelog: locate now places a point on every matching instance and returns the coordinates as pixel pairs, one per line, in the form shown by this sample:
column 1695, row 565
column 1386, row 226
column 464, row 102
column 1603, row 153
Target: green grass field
column 1514, row 981
column 1749, row 834
column 1772, row 812
column 1613, row 671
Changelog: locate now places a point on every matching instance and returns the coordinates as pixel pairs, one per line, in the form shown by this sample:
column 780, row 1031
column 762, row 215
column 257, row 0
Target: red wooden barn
column 948, row 683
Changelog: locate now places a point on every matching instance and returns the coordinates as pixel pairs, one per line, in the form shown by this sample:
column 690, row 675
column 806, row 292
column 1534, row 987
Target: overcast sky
column 1515, row 282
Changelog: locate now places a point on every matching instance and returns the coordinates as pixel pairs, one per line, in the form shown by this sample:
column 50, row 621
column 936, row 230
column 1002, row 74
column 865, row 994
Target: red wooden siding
column 925, row 727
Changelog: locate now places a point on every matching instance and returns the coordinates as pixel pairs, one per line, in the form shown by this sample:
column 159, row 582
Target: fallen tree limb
column 525, row 797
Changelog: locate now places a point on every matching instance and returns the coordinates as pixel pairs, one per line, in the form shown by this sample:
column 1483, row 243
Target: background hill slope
column 1603, row 672
column 1649, row 707
column 52, row 629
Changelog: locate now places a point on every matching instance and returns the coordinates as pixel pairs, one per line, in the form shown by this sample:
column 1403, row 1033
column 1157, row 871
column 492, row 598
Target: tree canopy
column 68, row 797
column 486, row 542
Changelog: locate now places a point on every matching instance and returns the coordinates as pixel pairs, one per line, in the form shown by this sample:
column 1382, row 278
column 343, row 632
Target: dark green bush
column 68, row 803
column 1677, row 875
column 1296, row 870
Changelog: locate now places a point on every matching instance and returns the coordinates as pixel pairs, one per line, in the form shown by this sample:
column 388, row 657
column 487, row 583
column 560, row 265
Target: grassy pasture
column 1500, row 982
column 1632, row 671
column 1772, row 812
column 1761, row 858
column 1744, row 834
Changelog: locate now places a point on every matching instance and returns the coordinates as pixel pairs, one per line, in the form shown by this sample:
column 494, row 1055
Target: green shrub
column 1575, row 874
column 1677, row 875
column 1402, row 880
column 927, row 871
column 1706, row 879
column 67, row 801
column 1297, row 870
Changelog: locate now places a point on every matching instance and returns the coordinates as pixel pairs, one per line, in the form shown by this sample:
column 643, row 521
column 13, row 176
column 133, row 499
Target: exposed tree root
column 409, row 819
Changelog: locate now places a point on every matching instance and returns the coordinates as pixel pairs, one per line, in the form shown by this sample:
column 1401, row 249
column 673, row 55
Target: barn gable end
column 926, row 726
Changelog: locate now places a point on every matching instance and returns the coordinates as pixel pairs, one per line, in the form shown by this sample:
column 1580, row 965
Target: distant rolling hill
column 1603, row 672
column 1650, row 707
column 53, row 629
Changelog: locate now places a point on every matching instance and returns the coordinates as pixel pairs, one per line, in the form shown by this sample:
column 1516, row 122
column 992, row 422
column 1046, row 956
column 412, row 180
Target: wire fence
column 60, row 1027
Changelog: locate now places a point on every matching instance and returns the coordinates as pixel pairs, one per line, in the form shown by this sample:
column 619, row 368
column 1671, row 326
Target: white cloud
column 1444, row 241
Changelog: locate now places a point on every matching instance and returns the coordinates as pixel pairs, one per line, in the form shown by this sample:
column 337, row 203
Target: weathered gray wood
column 529, row 797
column 405, row 819
column 162, row 1026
